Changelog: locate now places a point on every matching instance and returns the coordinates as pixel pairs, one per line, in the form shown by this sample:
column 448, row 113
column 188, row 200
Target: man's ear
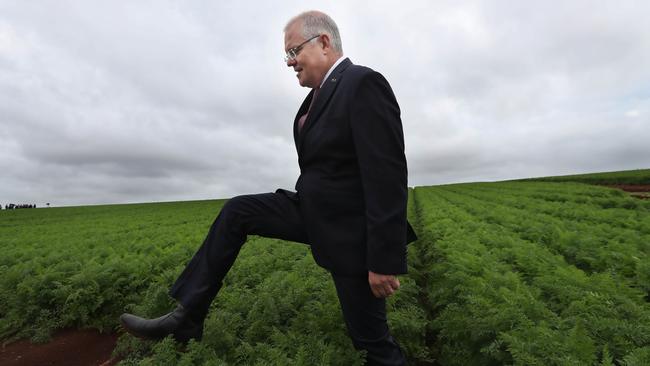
column 326, row 42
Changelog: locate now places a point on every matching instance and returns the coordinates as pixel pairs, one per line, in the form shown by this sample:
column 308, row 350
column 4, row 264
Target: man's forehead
column 292, row 36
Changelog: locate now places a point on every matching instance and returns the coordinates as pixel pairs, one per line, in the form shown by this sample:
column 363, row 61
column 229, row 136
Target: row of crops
column 83, row 266
column 535, row 274
column 637, row 176
column 522, row 273
column 80, row 266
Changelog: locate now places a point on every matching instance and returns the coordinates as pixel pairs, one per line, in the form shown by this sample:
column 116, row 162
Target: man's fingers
column 383, row 286
column 375, row 291
column 388, row 290
column 384, row 290
column 378, row 290
column 395, row 284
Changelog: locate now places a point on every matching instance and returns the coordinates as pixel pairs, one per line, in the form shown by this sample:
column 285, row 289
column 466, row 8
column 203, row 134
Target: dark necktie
column 303, row 118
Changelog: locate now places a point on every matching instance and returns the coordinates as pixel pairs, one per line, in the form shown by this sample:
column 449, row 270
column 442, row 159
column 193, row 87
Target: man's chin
column 305, row 84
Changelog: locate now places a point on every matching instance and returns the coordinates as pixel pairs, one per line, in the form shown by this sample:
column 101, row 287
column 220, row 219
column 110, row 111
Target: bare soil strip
column 631, row 187
column 636, row 190
column 70, row 347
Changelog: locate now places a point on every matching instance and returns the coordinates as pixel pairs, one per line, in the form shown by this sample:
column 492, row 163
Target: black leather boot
column 179, row 322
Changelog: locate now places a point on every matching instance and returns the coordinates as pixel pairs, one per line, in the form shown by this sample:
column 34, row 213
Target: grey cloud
column 125, row 102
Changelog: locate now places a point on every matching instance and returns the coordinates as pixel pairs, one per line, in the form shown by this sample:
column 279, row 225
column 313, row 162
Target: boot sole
column 181, row 337
column 136, row 334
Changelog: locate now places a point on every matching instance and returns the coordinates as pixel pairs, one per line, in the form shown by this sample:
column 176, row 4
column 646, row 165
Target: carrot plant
column 507, row 273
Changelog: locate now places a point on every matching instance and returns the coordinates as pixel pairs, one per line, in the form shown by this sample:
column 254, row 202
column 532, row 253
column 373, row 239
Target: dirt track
column 637, row 190
column 69, row 347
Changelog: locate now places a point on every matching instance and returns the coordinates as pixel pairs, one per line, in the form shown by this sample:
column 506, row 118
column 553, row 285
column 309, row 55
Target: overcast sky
column 140, row 101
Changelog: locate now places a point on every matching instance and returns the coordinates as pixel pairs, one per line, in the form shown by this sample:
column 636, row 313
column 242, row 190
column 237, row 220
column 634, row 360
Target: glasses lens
column 291, row 55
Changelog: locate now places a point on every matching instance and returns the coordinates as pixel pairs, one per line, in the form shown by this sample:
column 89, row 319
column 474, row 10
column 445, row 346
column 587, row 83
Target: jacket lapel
column 302, row 110
column 324, row 96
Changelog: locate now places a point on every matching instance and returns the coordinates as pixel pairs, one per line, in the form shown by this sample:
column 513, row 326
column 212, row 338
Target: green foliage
column 83, row 266
column 530, row 273
column 638, row 176
column 510, row 273
column 638, row 357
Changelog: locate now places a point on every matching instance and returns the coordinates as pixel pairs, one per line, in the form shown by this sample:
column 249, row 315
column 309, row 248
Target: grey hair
column 315, row 22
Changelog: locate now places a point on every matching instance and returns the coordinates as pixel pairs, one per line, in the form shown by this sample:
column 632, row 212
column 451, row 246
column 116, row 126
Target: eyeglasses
column 293, row 52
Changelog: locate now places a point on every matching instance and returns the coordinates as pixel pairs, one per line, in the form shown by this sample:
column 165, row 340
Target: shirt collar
column 331, row 69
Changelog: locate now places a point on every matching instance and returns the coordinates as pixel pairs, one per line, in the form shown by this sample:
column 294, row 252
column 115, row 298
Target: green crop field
column 507, row 273
column 638, row 176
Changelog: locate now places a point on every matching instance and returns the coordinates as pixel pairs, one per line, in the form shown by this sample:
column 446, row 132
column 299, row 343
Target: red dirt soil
column 70, row 347
column 641, row 191
column 631, row 187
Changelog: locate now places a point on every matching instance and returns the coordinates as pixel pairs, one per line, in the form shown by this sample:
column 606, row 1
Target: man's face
column 310, row 63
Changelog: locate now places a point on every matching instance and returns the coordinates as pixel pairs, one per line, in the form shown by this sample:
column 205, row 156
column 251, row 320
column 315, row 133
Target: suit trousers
column 276, row 215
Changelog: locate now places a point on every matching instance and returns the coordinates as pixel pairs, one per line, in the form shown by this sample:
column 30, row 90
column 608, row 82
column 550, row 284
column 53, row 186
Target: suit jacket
column 352, row 188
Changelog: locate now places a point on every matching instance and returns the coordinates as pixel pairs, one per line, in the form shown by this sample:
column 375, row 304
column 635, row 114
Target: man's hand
column 382, row 285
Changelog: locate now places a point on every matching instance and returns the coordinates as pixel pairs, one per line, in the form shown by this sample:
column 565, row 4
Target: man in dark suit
column 350, row 204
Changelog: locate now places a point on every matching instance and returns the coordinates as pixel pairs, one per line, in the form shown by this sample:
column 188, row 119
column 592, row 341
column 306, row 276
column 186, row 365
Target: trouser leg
column 365, row 318
column 270, row 214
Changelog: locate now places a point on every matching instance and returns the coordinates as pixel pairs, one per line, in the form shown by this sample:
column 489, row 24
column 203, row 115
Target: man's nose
column 291, row 62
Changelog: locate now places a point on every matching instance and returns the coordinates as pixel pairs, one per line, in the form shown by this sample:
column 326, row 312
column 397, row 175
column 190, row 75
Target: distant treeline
column 637, row 176
column 13, row 206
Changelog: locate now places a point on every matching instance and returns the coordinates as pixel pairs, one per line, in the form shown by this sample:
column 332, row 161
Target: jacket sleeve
column 379, row 144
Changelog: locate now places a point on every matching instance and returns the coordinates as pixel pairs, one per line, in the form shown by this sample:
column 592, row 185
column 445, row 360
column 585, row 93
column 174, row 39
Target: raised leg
column 274, row 215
